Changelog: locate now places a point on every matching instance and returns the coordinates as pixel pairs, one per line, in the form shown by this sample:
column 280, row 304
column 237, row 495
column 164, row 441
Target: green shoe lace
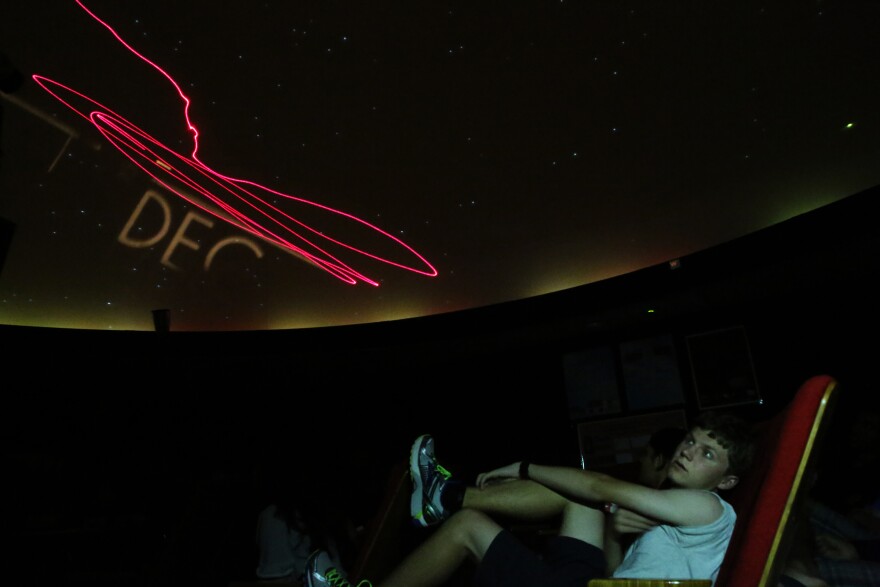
column 446, row 474
column 337, row 579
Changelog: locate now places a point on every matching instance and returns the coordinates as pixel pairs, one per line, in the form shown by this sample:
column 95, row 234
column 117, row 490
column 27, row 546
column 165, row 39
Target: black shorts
column 565, row 562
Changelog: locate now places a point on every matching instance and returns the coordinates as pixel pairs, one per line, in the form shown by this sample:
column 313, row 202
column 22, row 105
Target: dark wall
column 164, row 438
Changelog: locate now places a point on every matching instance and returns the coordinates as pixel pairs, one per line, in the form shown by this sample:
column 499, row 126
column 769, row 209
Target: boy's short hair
column 732, row 433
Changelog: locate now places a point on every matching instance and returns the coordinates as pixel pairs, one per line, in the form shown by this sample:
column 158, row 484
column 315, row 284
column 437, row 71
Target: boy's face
column 700, row 462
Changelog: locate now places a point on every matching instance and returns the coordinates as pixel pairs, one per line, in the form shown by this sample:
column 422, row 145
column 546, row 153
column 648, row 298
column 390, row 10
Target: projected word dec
column 179, row 238
column 232, row 200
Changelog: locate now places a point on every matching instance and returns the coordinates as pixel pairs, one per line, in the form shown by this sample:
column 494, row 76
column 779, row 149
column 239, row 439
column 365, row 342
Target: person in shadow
column 297, row 520
column 837, row 542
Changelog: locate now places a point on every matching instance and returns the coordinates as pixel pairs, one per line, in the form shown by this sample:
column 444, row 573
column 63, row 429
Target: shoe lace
column 446, row 474
column 337, row 579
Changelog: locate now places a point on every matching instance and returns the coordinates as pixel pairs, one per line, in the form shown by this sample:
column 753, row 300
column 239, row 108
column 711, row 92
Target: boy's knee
column 472, row 530
column 466, row 525
column 467, row 517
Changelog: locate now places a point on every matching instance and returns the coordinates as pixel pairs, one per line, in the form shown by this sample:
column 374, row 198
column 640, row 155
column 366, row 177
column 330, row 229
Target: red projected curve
column 232, row 200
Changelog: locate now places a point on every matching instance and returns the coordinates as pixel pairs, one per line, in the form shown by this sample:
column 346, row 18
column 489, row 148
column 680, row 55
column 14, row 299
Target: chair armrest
column 621, row 582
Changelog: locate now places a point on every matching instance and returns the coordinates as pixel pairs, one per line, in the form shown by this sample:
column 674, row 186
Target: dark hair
column 308, row 506
column 734, row 434
column 666, row 440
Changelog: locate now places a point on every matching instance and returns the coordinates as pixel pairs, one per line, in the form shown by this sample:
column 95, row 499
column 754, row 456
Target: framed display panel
column 612, row 443
column 722, row 368
column 651, row 376
column 591, row 385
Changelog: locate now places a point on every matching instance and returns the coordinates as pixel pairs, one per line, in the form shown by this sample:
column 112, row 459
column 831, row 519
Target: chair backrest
column 767, row 499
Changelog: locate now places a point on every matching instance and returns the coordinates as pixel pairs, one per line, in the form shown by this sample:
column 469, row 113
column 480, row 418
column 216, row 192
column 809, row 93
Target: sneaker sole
column 308, row 574
column 416, row 504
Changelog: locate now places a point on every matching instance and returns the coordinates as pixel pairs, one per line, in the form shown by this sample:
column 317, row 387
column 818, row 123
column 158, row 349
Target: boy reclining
column 688, row 537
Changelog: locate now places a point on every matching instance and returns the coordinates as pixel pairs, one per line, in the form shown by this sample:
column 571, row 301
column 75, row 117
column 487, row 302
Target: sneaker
column 320, row 572
column 428, row 480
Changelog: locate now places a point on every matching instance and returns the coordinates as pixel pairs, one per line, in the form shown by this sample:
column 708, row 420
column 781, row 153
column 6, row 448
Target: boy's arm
column 680, row 507
column 627, row 521
column 612, row 548
column 623, row 523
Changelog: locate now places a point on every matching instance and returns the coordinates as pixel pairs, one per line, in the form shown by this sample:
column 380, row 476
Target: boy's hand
column 835, row 547
column 626, row 521
column 506, row 473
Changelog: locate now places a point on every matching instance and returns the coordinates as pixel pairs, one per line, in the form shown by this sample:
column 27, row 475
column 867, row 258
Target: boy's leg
column 584, row 523
column 520, row 500
column 469, row 533
column 435, row 496
column 589, row 525
column 465, row 536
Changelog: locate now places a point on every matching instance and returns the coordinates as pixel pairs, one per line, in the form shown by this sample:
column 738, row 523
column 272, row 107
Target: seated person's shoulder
column 682, row 506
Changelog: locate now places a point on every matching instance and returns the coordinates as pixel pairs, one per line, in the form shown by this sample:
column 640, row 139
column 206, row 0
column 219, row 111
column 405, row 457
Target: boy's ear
column 659, row 462
column 729, row 482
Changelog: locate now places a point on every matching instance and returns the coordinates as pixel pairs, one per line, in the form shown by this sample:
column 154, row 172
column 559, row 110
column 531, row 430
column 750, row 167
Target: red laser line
column 240, row 206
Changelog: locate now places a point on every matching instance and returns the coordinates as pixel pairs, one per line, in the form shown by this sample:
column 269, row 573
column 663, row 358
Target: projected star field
column 243, row 166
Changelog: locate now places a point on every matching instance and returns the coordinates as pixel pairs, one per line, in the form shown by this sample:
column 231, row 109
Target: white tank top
column 680, row 552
